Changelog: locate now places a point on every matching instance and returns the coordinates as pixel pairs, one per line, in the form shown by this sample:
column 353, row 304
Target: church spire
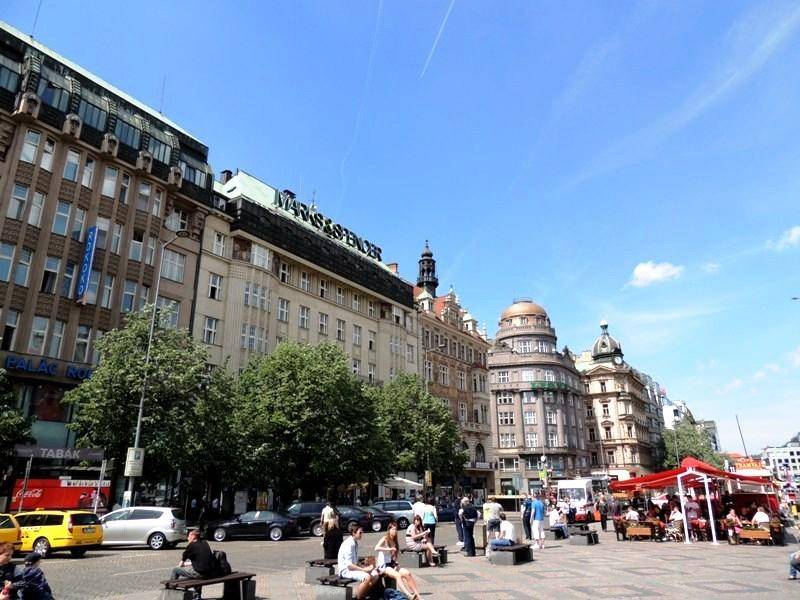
column 427, row 279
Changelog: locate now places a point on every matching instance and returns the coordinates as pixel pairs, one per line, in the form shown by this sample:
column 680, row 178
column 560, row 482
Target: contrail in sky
column 436, row 41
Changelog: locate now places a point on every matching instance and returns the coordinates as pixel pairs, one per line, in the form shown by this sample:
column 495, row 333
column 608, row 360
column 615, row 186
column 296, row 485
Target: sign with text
column 59, row 493
column 55, row 453
column 85, row 274
column 42, row 366
column 134, row 462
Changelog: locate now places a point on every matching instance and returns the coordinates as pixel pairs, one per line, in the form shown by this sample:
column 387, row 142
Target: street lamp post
column 182, row 233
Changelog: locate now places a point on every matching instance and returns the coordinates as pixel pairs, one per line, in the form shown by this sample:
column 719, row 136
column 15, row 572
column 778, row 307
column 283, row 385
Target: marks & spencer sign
column 48, row 368
column 287, row 201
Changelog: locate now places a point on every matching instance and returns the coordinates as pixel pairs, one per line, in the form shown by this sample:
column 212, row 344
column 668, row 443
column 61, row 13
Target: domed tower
column 606, row 348
column 427, row 279
column 536, row 392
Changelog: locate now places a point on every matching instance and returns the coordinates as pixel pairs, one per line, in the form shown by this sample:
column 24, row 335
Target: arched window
column 480, row 453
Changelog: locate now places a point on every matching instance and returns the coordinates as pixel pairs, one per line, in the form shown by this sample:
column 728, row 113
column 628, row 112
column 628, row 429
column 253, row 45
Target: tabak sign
column 748, row 464
column 287, row 201
column 59, row 493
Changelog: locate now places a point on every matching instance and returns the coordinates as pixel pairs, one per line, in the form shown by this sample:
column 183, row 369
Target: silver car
column 155, row 526
column 401, row 509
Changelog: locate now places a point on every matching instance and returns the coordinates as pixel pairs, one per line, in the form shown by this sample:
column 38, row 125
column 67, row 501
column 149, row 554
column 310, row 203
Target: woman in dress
column 388, row 549
column 331, row 538
column 417, row 540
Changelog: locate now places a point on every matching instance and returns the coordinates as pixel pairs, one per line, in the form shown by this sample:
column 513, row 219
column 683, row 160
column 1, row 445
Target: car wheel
column 157, row 541
column 276, row 534
column 316, row 529
column 376, row 526
column 402, row 523
column 78, row 552
column 352, row 523
column 220, row 534
column 42, row 546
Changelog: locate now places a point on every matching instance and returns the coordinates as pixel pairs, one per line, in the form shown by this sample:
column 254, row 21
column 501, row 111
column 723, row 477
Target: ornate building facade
column 538, row 412
column 453, row 359
column 618, row 411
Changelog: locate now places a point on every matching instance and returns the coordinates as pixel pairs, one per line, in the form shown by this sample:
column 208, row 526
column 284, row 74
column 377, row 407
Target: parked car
column 253, row 524
column 380, row 518
column 354, row 514
column 445, row 513
column 10, row 531
column 155, row 526
column 307, row 517
column 400, row 509
column 46, row 531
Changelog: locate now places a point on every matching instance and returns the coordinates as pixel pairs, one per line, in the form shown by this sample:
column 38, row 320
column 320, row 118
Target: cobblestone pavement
column 611, row 570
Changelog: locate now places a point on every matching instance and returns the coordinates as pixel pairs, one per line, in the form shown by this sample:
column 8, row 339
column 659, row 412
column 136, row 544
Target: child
column 32, row 584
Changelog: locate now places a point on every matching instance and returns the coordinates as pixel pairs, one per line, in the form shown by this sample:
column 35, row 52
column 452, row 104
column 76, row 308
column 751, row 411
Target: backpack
column 221, row 565
column 392, row 594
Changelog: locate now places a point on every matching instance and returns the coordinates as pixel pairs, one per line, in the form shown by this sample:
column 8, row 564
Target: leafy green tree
column 691, row 441
column 14, row 427
column 423, row 432
column 305, row 422
column 183, row 402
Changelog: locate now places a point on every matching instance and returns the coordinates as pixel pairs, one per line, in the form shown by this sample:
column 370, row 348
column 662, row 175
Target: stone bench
column 510, row 555
column 236, row 586
column 321, row 567
column 333, row 587
column 417, row 559
column 584, row 538
column 554, row 534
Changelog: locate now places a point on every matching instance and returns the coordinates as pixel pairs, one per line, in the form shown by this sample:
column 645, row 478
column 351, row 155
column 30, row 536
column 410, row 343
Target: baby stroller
column 674, row 532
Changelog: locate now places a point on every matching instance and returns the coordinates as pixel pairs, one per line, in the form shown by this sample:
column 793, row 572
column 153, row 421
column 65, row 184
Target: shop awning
column 401, row 483
column 695, row 469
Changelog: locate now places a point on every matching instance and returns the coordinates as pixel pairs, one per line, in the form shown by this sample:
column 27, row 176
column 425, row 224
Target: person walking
column 469, row 516
column 537, row 521
column 794, row 565
column 526, row 515
column 602, row 508
column 458, row 523
column 429, row 519
column 332, row 538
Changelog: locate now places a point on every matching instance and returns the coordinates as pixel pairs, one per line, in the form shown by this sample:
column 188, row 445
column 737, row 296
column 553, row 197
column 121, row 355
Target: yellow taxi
column 46, row 531
column 10, row 531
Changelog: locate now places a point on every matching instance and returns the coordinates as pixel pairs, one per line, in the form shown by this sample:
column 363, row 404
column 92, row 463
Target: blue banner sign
column 86, row 264
column 42, row 366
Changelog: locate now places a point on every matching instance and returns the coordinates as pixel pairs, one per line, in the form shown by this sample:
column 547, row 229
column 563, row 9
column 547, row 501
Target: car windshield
column 267, row 515
column 293, row 509
column 85, row 519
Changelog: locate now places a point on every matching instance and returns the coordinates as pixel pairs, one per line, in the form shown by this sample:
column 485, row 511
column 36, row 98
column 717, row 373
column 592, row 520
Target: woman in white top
column 386, row 562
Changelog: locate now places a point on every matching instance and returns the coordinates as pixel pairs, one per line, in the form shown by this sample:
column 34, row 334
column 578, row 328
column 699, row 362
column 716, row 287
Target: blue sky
column 634, row 161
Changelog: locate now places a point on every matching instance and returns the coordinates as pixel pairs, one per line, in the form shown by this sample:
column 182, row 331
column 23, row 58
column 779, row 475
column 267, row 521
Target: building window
column 356, row 367
column 67, row 279
column 156, row 208
column 177, row 220
column 356, row 303
column 170, row 311
column 56, row 338
column 607, row 433
column 372, row 340
column 602, row 386
column 193, row 174
column 37, row 207
column 30, row 147
column 285, row 272
column 210, row 330
column 38, row 335
column 611, row 457
column 144, row 294
column 304, row 281
column 585, row 388
column 505, row 398
column 116, row 238
column 529, row 417
column 444, row 375
column 82, row 338
column 92, row 115
column 323, row 288
column 531, row 440
column 215, row 286
column 24, row 260
column 127, row 134
column 552, row 439
column 88, row 173
column 61, row 218
column 409, row 353
column 103, row 225
column 159, row 150
column 505, row 418
column 429, row 371
column 356, row 335
column 78, row 223
column 605, row 410
column 502, row 377
column 550, row 417
column 124, row 187
column 52, row 265
column 340, row 327
column 462, row 380
column 323, row 324
column 108, row 291
column 72, row 165
column 128, row 295
column 339, row 295
column 371, row 373
column 527, row 375
column 305, row 313
column 143, row 197
column 150, row 255
column 260, row 256
column 6, row 260
column 93, row 287
column 549, row 375
column 508, row 440
column 19, row 198
column 10, row 329
column 47, row 155
column 137, row 241
column 283, row 310
column 592, row 435
column 173, row 265
column 371, row 309
column 219, row 244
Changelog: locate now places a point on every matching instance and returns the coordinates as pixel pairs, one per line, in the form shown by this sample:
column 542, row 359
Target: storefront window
column 43, row 402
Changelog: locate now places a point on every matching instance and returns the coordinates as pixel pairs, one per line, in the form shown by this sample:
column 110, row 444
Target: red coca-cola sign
column 59, row 493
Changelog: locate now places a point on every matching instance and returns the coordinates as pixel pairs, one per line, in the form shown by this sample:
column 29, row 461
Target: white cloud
column 648, row 273
column 773, row 367
column 711, row 268
column 731, row 386
column 794, row 357
column 759, row 375
column 789, row 239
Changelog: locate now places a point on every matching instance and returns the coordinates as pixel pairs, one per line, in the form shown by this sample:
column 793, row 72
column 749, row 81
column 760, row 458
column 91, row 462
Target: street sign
column 59, row 453
column 428, row 478
column 134, row 462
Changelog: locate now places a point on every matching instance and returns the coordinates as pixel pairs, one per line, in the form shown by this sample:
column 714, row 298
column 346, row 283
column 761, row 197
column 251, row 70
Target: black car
column 258, row 524
column 380, row 518
column 354, row 514
column 307, row 517
column 445, row 513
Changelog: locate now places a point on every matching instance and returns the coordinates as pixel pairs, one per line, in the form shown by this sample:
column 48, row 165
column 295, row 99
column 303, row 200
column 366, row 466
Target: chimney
column 225, row 176
column 393, row 267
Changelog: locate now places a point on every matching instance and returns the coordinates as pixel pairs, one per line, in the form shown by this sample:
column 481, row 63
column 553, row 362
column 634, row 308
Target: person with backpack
column 197, row 561
column 31, row 584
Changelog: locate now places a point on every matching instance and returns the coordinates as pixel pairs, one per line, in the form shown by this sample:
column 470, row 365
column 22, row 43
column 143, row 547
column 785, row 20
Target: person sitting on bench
column 197, row 561
column 417, row 540
column 557, row 522
column 386, row 562
column 347, row 563
column 506, row 536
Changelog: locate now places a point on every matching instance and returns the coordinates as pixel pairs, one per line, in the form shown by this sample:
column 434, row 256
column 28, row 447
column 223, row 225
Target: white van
column 580, row 494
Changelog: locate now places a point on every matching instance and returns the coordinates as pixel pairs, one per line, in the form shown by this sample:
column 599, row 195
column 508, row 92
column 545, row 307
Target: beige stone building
column 454, row 367
column 537, row 403
column 273, row 268
column 618, row 413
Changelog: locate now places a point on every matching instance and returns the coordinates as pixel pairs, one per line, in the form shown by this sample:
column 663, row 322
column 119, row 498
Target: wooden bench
column 511, row 555
column 320, row 567
column 755, row 535
column 333, row 587
column 417, row 559
column 584, row 538
column 639, row 532
column 236, row 586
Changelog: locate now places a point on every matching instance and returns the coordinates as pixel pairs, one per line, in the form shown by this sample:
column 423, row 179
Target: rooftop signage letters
column 287, row 201
column 59, row 453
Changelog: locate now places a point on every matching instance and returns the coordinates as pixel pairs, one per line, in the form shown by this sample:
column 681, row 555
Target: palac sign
column 287, row 201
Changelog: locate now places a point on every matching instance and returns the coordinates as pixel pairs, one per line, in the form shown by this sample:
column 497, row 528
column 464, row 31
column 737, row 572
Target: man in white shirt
column 418, row 507
column 556, row 524
column 761, row 518
column 491, row 514
column 327, row 513
column 505, row 536
column 347, row 563
column 631, row 515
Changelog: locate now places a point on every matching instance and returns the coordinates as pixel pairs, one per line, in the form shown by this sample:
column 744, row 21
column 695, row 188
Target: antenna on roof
column 314, row 199
column 36, row 18
column 163, row 87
